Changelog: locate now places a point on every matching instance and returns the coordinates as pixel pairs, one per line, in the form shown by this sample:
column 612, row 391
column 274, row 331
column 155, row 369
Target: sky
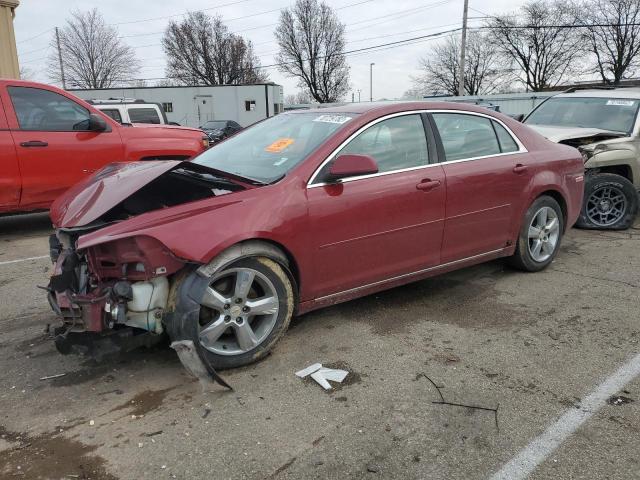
column 368, row 23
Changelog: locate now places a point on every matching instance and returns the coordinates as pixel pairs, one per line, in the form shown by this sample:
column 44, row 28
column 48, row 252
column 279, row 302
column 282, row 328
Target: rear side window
column 43, row 110
column 507, row 143
column 113, row 113
column 395, row 144
column 144, row 115
column 466, row 136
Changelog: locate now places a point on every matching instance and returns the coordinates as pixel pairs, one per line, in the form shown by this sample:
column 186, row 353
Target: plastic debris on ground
column 322, row 375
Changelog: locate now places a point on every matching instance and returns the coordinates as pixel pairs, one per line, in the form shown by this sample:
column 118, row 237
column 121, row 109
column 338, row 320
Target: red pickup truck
column 50, row 140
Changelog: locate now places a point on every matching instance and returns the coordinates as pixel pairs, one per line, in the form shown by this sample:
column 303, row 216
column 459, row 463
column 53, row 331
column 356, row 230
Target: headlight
column 586, row 155
column 590, row 151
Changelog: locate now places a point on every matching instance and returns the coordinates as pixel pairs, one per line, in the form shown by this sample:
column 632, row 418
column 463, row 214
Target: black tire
column 286, row 301
column 594, row 184
column 522, row 259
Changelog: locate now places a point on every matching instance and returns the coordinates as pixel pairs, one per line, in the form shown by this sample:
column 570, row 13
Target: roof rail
column 594, row 87
column 114, row 100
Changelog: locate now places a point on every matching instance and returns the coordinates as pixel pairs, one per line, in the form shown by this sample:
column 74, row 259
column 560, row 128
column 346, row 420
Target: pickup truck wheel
column 540, row 235
column 245, row 310
column 610, row 202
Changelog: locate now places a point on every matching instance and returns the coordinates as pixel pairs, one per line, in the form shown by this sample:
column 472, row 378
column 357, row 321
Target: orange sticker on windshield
column 279, row 145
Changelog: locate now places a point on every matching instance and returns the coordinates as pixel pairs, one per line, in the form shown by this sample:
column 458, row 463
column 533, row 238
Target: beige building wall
column 9, row 67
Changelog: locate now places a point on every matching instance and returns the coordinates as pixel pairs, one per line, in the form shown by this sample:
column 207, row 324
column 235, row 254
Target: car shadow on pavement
column 26, row 225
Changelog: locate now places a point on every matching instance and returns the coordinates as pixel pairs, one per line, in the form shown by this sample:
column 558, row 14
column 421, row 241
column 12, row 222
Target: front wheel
column 245, row 310
column 540, row 235
column 610, row 202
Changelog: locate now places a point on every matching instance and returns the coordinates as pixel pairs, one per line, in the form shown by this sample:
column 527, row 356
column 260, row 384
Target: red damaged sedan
column 303, row 210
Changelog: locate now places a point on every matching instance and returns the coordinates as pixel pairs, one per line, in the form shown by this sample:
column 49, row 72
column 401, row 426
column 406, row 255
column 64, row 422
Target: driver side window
column 43, row 110
column 395, row 144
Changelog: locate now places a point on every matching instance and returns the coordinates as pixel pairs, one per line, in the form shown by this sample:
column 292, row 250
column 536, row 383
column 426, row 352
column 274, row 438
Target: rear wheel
column 610, row 202
column 540, row 235
column 245, row 310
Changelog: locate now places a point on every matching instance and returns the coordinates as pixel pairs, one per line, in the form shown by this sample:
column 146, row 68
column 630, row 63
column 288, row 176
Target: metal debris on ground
column 322, row 375
column 197, row 364
column 442, row 401
column 49, row 377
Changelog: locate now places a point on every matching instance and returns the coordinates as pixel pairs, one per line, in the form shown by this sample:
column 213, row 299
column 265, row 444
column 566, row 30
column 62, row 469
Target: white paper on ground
column 318, row 376
column 309, row 370
column 334, row 375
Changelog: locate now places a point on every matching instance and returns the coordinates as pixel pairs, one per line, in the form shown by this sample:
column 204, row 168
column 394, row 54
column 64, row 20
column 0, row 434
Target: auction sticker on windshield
column 621, row 103
column 279, row 145
column 332, row 119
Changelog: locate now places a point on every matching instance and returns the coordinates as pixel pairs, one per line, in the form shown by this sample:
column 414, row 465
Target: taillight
column 205, row 142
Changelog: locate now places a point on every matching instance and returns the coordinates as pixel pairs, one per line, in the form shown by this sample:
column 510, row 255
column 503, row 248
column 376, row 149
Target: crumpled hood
column 558, row 134
column 95, row 195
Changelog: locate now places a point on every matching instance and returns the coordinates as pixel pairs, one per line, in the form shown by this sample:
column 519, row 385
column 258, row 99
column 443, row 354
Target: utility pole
column 359, row 95
column 353, row 97
column 371, row 81
column 64, row 83
column 463, row 48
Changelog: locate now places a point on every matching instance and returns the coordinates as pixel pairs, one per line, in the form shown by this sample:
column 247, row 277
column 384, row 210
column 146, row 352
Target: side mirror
column 96, row 123
column 352, row 165
column 519, row 117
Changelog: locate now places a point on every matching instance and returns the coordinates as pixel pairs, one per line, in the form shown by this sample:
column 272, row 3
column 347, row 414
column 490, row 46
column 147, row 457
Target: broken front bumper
column 110, row 287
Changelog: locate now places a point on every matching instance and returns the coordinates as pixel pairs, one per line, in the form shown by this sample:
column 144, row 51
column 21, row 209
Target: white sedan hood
column 558, row 134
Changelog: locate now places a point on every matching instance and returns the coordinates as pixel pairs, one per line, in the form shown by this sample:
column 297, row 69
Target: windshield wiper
column 205, row 176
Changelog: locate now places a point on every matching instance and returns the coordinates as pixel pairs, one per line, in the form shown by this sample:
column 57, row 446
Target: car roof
column 384, row 108
column 630, row 92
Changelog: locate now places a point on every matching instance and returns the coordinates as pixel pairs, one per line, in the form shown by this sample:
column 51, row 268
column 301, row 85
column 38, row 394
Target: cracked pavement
column 531, row 345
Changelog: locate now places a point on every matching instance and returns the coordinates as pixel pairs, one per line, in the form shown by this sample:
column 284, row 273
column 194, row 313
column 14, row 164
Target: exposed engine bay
column 120, row 289
column 177, row 186
column 588, row 140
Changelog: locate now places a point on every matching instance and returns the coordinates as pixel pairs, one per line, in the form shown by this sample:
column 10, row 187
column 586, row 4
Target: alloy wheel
column 240, row 310
column 606, row 206
column 544, row 233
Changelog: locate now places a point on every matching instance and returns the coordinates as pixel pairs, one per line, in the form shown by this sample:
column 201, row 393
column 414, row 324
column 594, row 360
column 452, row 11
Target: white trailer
column 193, row 106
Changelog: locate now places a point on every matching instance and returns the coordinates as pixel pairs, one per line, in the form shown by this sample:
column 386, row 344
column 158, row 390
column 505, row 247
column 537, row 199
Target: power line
column 369, row 49
column 33, row 61
column 35, row 36
column 398, row 14
column 180, row 14
column 248, row 16
column 226, row 20
column 264, row 54
column 33, row 51
column 559, row 26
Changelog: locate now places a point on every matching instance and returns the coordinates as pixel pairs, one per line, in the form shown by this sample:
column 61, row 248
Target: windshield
column 216, row 125
column 268, row 150
column 616, row 114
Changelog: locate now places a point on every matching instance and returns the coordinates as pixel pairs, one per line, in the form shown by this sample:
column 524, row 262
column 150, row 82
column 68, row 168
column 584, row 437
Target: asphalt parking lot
column 533, row 346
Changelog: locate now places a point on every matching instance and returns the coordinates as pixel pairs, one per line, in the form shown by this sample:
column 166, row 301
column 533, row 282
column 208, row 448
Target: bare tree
column 539, row 42
column 312, row 41
column 614, row 37
column 202, row 51
column 297, row 98
column 440, row 69
column 93, row 55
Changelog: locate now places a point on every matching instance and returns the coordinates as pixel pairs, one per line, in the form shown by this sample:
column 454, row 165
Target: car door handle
column 34, row 143
column 88, row 170
column 519, row 168
column 428, row 184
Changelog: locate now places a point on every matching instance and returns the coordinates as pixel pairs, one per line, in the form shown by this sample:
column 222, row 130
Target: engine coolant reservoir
column 149, row 300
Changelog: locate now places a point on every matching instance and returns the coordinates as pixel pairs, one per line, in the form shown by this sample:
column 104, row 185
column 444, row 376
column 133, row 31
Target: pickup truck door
column 10, row 182
column 53, row 146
